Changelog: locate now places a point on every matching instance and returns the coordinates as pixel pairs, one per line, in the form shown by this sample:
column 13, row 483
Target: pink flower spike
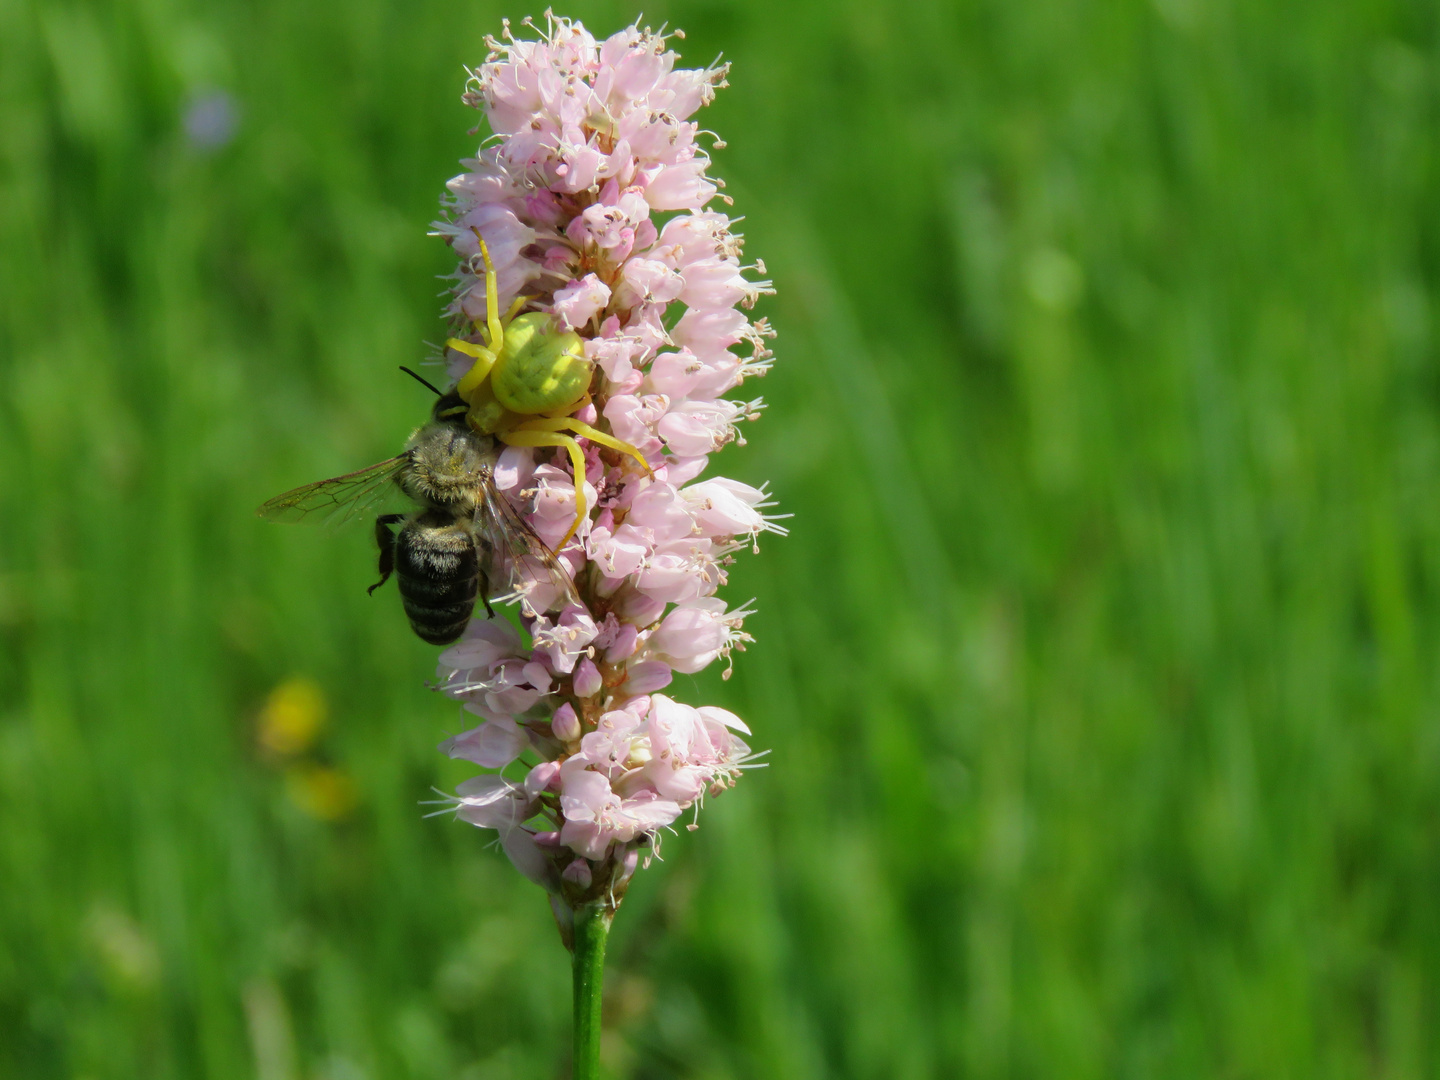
column 592, row 196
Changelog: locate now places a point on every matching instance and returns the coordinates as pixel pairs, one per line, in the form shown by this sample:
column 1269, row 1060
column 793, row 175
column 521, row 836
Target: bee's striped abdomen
column 439, row 576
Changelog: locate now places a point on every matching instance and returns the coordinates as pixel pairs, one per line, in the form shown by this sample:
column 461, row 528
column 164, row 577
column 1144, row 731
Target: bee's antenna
column 421, row 381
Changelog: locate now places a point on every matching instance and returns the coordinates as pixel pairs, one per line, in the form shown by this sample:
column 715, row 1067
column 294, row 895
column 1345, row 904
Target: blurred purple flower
column 210, row 120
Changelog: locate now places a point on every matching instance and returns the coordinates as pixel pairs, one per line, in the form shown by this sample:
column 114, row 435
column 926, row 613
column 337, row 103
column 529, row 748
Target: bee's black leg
column 485, row 593
column 385, row 539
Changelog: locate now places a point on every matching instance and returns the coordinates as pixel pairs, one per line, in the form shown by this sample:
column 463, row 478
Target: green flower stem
column 592, row 926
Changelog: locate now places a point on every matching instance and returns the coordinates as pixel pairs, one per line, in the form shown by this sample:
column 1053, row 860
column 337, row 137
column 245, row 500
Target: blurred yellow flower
column 322, row 791
column 293, row 716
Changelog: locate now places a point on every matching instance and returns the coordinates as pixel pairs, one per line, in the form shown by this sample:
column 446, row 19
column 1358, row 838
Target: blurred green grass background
column 1098, row 667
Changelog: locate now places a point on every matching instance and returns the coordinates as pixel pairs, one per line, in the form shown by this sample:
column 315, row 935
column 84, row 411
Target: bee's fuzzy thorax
column 447, row 464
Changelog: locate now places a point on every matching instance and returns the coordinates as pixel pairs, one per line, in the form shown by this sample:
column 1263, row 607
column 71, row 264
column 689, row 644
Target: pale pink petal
column 543, row 777
column 647, row 676
column 529, row 858
column 492, row 802
column 493, row 745
column 723, row 716
column 690, row 636
column 722, row 507
column 680, row 187
column 578, row 302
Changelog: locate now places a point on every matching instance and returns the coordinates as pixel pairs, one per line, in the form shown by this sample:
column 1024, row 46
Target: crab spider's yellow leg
column 573, row 407
column 520, row 302
column 484, row 361
column 522, row 437
column 484, row 357
column 579, row 427
column 494, row 331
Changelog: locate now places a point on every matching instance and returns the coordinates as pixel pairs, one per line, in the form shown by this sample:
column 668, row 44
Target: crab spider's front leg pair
column 527, row 379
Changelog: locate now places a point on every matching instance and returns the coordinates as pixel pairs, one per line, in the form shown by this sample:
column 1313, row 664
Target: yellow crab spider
column 527, row 379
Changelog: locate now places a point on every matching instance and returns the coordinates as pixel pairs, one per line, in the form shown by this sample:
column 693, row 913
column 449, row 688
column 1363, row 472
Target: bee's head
column 450, row 409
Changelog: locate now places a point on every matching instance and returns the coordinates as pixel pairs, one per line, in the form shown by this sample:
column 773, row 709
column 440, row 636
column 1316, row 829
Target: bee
column 462, row 533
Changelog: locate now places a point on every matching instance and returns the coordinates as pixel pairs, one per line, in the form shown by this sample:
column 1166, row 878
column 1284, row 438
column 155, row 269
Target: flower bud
column 587, row 681
column 543, row 777
column 565, row 725
column 578, row 872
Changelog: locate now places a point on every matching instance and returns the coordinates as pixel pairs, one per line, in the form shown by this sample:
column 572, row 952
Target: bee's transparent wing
column 525, row 554
column 340, row 499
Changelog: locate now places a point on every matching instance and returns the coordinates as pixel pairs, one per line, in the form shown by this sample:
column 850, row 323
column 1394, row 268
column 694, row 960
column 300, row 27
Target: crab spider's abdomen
column 540, row 368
